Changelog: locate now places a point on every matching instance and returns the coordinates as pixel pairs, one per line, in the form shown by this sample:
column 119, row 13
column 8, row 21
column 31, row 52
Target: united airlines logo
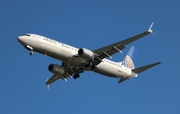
column 127, row 62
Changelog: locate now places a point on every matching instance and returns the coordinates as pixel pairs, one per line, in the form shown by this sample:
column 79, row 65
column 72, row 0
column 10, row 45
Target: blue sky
column 90, row 24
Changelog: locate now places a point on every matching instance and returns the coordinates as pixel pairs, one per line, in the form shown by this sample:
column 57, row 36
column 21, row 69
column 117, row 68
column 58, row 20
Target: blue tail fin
column 129, row 59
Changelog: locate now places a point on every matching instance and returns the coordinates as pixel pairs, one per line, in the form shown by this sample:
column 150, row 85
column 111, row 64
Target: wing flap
column 52, row 79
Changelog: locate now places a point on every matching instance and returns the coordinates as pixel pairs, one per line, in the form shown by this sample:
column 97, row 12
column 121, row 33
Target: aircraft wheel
column 31, row 53
column 93, row 67
column 78, row 75
column 75, row 76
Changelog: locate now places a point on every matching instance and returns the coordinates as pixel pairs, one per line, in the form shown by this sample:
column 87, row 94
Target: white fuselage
column 66, row 54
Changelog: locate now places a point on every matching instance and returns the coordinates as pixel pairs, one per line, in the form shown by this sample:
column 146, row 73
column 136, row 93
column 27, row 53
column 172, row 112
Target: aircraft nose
column 20, row 39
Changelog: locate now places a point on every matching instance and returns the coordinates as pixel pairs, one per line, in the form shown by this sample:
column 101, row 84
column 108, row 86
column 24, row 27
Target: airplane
column 77, row 60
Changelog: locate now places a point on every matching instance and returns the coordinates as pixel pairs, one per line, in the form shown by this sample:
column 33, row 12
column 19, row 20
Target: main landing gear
column 76, row 75
column 93, row 67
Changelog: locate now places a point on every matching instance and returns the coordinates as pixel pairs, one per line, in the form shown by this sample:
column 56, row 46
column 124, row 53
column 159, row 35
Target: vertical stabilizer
column 129, row 59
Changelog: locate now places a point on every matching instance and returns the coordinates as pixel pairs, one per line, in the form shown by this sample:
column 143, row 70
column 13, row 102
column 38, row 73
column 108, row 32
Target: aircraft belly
column 112, row 70
column 59, row 53
column 52, row 51
column 106, row 70
column 76, row 62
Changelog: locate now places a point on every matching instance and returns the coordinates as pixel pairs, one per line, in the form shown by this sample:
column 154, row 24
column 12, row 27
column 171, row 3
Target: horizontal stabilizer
column 141, row 69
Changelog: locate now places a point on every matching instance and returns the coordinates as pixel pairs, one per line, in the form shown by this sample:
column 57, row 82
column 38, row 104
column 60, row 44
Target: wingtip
column 150, row 31
column 47, row 79
column 48, row 86
column 47, row 83
column 159, row 62
column 150, row 28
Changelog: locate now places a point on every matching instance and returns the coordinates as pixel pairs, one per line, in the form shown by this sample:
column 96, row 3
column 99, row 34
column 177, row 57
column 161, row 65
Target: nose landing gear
column 30, row 49
column 31, row 53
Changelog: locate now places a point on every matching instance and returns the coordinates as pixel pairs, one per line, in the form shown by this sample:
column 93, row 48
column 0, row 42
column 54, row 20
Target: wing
column 109, row 50
column 122, row 79
column 69, row 71
column 55, row 77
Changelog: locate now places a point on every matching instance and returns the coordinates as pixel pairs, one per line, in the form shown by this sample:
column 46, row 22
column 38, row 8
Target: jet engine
column 54, row 68
column 86, row 54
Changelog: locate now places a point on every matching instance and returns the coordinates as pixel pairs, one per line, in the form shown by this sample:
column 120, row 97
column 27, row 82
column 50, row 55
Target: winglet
column 47, row 83
column 48, row 86
column 150, row 28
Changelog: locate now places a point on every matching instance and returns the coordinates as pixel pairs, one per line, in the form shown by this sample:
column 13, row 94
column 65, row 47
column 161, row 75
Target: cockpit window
column 27, row 35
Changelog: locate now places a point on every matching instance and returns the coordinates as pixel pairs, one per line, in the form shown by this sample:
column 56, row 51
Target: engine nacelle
column 85, row 53
column 54, row 68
